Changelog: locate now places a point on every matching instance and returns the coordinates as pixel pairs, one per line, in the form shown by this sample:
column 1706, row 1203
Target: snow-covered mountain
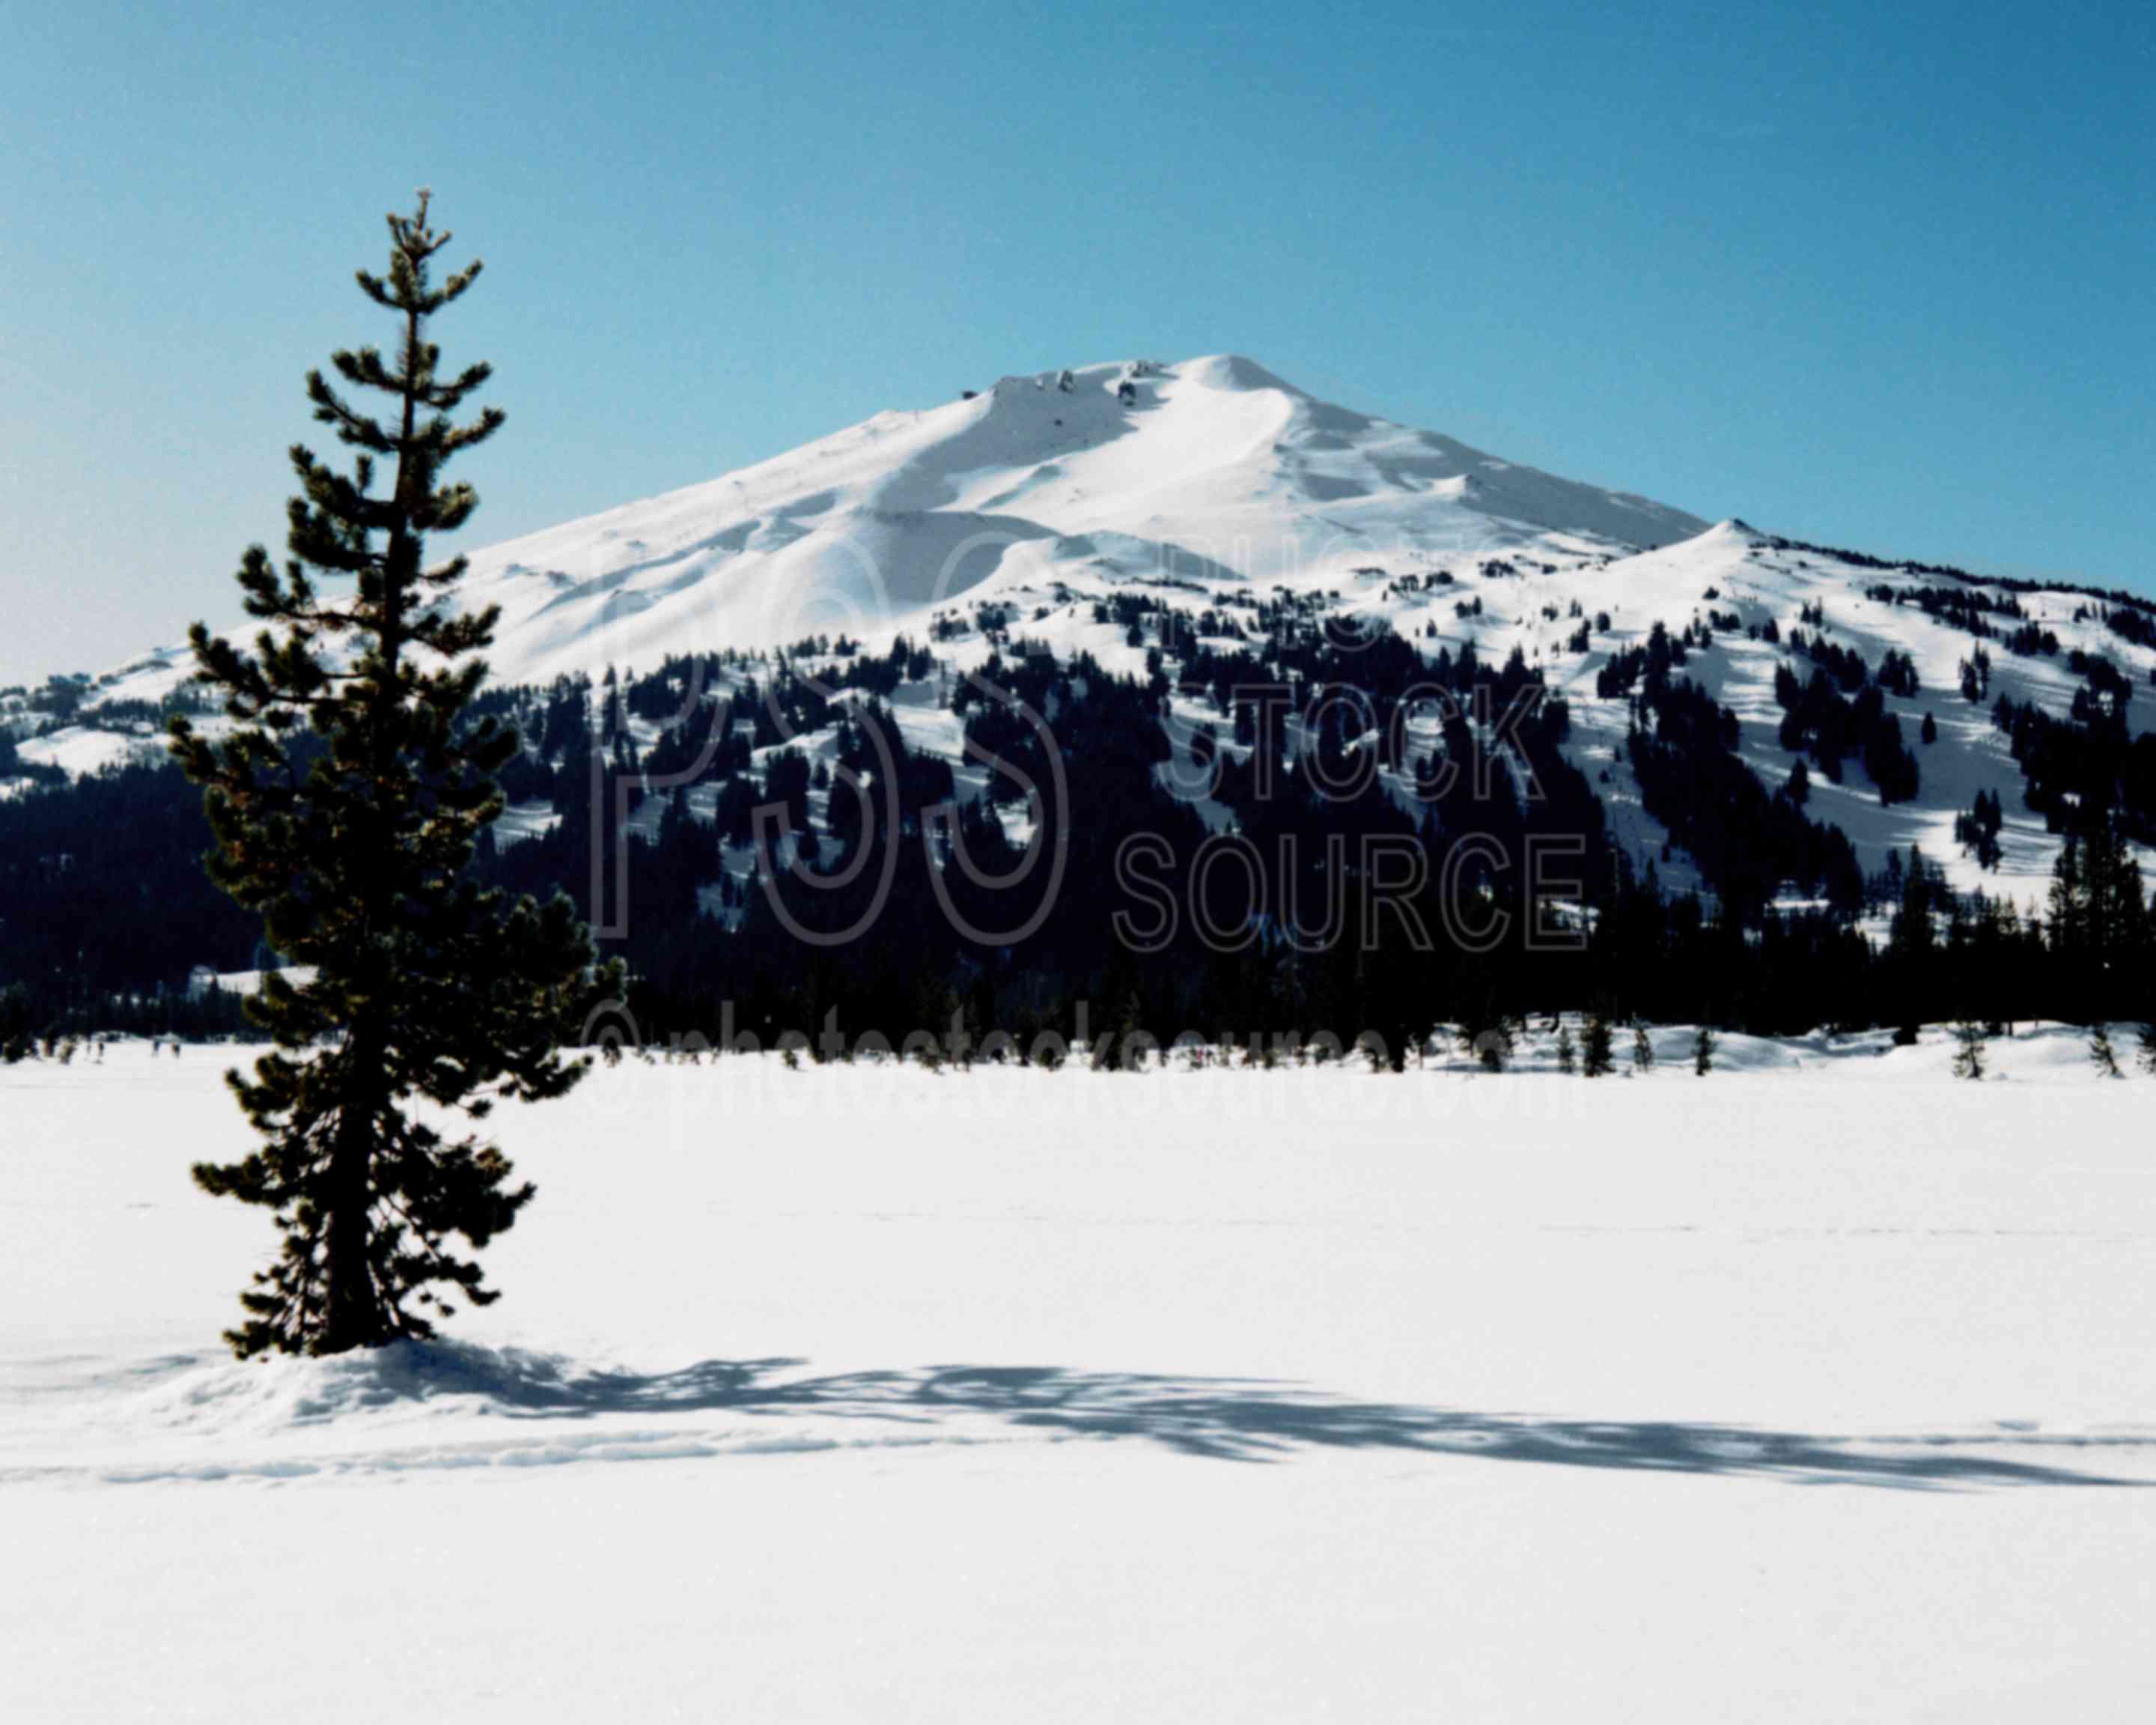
column 1211, row 470
column 1201, row 481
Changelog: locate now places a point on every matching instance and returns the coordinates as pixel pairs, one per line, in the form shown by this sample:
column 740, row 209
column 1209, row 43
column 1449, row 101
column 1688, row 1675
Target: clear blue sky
column 1880, row 276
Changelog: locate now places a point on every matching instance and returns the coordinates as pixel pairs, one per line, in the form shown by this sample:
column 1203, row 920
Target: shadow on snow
column 1219, row 1418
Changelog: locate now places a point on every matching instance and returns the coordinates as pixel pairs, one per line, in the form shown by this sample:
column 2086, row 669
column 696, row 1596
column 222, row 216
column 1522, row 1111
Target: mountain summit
column 1212, row 468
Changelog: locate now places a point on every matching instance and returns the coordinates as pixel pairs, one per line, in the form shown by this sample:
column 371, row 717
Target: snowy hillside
column 1212, row 482
column 869, row 1394
column 1752, row 575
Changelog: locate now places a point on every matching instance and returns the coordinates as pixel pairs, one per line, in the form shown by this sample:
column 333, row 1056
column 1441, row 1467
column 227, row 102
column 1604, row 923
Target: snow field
column 1817, row 1387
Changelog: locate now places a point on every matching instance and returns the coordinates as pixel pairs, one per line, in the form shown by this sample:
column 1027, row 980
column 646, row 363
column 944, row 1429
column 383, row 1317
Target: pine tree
column 2102, row 1055
column 2066, row 923
column 1596, row 1061
column 1484, row 1032
column 1910, row 943
column 1969, row 1054
column 345, row 806
column 1566, row 1061
column 1643, row 1047
column 2116, row 915
column 1702, row 1052
column 2148, row 1048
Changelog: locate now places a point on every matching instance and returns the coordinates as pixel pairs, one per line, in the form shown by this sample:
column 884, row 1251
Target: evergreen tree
column 2102, row 1055
column 1909, row 945
column 2148, row 1049
column 1484, row 1032
column 1968, row 1054
column 1596, row 1061
column 2116, row 922
column 1566, row 1060
column 1643, row 1047
column 2066, row 923
column 345, row 806
column 1702, row 1052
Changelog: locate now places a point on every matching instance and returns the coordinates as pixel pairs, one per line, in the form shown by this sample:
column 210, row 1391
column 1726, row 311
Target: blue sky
column 1880, row 277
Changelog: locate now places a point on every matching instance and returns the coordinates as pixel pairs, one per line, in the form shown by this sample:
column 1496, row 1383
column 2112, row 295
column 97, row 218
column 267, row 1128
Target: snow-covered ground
column 1820, row 1389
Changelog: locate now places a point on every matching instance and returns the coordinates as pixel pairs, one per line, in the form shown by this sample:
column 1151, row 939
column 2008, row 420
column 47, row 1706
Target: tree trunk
column 354, row 1316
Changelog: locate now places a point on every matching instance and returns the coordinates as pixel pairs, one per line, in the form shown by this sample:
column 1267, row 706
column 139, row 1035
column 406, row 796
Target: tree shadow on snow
column 1223, row 1419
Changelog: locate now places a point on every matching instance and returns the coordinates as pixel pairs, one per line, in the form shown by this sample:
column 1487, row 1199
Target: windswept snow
column 1816, row 1388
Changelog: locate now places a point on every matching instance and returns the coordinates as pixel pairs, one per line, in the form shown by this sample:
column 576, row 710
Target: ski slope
column 1817, row 1388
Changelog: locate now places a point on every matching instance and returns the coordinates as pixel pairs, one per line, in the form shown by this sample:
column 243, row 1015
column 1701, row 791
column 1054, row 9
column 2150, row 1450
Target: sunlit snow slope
column 1210, row 470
